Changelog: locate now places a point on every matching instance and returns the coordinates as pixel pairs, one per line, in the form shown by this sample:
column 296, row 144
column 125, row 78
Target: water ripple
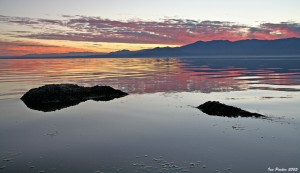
column 150, row 75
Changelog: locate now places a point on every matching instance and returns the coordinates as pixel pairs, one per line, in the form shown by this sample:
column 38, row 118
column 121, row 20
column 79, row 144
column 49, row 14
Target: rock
column 58, row 96
column 219, row 109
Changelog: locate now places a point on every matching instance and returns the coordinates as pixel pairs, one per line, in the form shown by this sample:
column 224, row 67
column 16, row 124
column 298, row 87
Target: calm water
column 156, row 128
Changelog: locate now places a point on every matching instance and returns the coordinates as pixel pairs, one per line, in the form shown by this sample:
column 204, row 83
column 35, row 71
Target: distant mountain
column 71, row 54
column 280, row 47
column 289, row 46
column 56, row 55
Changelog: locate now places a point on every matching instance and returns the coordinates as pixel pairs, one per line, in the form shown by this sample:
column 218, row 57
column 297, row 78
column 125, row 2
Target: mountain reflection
column 150, row 75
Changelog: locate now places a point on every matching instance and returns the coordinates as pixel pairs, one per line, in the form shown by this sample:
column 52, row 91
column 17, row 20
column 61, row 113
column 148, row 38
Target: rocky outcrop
column 219, row 109
column 57, row 96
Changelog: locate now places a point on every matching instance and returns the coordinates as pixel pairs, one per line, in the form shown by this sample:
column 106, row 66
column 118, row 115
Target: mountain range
column 288, row 46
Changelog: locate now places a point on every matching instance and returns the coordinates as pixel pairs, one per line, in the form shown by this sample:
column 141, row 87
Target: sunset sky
column 60, row 26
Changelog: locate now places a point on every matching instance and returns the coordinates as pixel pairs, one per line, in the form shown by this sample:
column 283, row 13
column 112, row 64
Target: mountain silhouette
column 288, row 46
column 279, row 47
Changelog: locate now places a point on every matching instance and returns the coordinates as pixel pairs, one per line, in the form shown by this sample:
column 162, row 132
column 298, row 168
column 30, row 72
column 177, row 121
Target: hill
column 289, row 46
column 280, row 47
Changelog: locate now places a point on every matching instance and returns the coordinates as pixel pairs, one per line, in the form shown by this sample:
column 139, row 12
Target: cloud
column 275, row 30
column 16, row 48
column 166, row 31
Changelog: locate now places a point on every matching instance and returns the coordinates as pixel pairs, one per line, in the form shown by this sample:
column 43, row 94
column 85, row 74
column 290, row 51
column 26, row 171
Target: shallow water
column 156, row 128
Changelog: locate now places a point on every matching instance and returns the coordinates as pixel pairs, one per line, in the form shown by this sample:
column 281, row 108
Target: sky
column 61, row 26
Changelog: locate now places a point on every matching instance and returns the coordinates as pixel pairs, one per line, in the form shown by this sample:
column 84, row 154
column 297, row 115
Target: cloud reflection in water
column 151, row 75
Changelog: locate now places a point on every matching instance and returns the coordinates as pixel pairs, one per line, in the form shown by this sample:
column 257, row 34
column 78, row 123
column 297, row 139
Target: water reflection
column 152, row 75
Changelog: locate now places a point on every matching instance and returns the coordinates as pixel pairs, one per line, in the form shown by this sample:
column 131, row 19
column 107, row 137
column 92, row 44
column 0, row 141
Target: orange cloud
column 17, row 48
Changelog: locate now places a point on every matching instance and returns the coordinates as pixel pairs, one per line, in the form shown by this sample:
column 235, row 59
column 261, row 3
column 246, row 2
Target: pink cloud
column 167, row 31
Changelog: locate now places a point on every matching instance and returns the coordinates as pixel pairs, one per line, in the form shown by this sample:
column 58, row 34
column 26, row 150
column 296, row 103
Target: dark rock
column 57, row 96
column 219, row 109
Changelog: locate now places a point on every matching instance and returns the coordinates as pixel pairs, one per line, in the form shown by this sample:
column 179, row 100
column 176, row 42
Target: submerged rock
column 219, row 109
column 57, row 96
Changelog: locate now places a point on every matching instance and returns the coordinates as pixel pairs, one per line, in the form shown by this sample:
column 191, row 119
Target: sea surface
column 157, row 127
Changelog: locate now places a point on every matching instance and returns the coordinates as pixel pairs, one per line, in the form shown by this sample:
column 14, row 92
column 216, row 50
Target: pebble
column 7, row 159
column 166, row 166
